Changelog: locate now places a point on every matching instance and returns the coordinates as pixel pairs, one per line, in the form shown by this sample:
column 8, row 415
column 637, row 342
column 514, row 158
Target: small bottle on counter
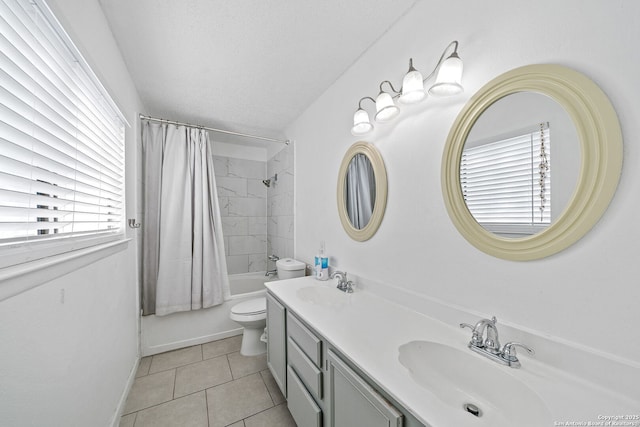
column 321, row 264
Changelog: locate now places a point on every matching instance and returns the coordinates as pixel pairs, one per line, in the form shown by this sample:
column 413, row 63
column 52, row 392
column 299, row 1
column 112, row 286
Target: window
column 506, row 181
column 61, row 138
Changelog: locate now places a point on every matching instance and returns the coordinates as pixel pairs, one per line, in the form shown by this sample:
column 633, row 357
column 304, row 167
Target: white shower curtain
column 183, row 266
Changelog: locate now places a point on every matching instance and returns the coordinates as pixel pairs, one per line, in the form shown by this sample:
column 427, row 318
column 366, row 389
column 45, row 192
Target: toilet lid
column 253, row 306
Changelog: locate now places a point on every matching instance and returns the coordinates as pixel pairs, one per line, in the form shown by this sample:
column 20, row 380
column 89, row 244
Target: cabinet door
column 277, row 343
column 352, row 402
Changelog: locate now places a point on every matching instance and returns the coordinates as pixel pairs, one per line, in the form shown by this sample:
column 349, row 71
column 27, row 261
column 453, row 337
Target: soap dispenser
column 321, row 264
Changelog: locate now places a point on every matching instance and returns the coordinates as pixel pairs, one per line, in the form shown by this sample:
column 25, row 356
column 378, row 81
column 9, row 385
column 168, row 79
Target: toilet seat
column 252, row 306
column 250, row 311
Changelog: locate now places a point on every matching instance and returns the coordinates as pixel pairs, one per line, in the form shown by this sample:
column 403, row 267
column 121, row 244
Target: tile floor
column 208, row 385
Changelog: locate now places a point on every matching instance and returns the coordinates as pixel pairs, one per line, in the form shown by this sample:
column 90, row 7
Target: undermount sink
column 323, row 295
column 483, row 391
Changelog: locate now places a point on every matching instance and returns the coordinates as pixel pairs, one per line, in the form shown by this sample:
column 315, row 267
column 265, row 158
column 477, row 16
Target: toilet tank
column 289, row 268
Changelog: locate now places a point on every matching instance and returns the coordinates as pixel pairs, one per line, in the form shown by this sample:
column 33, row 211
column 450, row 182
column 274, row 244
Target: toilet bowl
column 252, row 314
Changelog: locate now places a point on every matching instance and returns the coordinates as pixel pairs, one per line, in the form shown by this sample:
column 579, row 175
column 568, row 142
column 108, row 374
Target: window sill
column 21, row 277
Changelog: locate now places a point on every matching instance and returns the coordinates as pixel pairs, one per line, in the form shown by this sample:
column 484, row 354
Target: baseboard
column 115, row 421
column 150, row 351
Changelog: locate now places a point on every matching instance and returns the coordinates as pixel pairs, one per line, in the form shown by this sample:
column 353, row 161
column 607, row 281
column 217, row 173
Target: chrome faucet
column 343, row 284
column 491, row 343
column 273, row 272
column 490, row 346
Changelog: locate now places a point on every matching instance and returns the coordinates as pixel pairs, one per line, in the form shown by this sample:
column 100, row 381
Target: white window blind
column 506, row 182
column 61, row 136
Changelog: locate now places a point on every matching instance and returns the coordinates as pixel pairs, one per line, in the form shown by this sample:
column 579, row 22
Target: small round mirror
column 362, row 191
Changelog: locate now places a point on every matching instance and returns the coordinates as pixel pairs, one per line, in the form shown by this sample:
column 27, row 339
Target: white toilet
column 252, row 314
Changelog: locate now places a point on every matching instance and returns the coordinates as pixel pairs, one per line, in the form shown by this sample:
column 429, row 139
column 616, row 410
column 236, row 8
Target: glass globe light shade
column 361, row 123
column 385, row 107
column 412, row 86
column 449, row 78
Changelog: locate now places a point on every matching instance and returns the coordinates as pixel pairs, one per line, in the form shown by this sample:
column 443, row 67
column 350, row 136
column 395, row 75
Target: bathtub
column 179, row 330
column 247, row 285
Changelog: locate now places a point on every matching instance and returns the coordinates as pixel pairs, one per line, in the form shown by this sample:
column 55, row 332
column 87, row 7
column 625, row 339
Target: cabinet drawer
column 306, row 340
column 310, row 375
column 303, row 409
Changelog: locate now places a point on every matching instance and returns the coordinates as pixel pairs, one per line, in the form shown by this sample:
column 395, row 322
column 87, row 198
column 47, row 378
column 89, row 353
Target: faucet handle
column 348, row 287
column 476, row 339
column 509, row 351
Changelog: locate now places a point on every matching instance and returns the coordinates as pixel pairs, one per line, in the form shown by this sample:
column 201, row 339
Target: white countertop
column 369, row 330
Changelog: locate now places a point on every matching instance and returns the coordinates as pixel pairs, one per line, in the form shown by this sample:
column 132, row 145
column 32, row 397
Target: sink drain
column 472, row 409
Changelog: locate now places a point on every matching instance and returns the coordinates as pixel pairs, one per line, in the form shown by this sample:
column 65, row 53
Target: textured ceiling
column 243, row 65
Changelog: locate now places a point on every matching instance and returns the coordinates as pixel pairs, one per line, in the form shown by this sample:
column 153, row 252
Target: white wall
column 68, row 361
column 587, row 294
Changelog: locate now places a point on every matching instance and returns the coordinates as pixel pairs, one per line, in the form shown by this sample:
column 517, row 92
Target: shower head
column 267, row 182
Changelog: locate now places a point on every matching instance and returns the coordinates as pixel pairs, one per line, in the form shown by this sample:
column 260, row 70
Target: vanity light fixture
column 448, row 82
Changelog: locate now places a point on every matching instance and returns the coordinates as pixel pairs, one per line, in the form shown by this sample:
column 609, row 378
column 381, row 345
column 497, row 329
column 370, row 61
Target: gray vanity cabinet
column 277, row 342
column 353, row 402
column 321, row 388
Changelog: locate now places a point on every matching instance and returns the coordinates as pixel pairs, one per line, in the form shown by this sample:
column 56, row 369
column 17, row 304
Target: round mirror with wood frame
column 378, row 186
column 600, row 140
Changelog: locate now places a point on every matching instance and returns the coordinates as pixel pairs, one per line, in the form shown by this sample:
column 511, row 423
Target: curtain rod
column 228, row 132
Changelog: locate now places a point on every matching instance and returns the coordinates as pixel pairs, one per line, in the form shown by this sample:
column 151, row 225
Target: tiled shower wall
column 280, row 205
column 243, row 207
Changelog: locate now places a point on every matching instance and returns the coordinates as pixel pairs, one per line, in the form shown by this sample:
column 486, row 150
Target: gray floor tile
column 238, row 424
column 128, row 420
column 150, row 390
column 272, row 387
column 175, row 358
column 188, row 411
column 143, row 367
column 220, row 347
column 202, row 375
column 236, row 400
column 244, row 365
column 277, row 416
